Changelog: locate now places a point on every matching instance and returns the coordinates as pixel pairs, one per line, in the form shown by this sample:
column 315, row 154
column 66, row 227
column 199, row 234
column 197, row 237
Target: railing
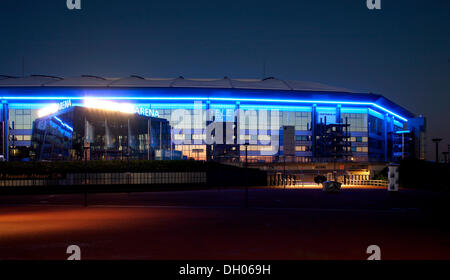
column 290, row 180
column 149, row 178
column 380, row 183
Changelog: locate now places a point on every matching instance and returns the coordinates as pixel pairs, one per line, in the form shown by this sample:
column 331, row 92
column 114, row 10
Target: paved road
column 280, row 224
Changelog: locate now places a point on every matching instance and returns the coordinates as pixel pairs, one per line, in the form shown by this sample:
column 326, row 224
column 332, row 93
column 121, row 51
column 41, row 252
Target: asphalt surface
column 279, row 224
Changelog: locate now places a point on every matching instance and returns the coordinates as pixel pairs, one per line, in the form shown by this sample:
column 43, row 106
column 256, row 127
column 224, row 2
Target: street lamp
column 436, row 141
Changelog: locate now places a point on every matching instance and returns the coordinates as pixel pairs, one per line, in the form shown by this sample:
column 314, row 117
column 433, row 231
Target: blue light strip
column 397, row 123
column 376, row 114
column 326, row 109
column 208, row 99
column 64, row 124
column 275, row 107
column 390, row 112
column 186, row 106
column 354, row 110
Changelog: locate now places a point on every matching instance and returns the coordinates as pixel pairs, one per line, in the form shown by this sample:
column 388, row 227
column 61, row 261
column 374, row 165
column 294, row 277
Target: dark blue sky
column 401, row 51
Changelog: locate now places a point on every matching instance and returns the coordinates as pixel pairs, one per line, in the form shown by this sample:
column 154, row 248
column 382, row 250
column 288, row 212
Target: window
column 300, row 148
column 376, row 125
column 302, row 138
column 357, row 122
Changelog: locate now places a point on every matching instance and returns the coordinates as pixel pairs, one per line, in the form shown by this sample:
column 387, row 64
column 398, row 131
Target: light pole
column 86, row 147
column 284, row 171
column 246, row 175
column 436, row 141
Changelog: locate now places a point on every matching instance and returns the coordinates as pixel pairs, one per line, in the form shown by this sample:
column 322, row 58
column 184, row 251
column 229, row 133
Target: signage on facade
column 142, row 111
column 53, row 108
column 64, row 104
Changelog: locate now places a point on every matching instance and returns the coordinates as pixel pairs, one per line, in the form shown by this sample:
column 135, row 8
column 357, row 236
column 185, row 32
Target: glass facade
column 83, row 133
column 358, row 132
column 206, row 130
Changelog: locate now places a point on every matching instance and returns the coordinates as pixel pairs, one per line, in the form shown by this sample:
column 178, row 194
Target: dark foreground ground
column 279, row 224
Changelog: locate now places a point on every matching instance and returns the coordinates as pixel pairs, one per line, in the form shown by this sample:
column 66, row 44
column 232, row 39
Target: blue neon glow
column 326, row 109
column 376, row 114
column 186, row 106
column 402, row 131
column 63, row 124
column 276, row 107
column 354, row 110
column 397, row 123
column 209, row 99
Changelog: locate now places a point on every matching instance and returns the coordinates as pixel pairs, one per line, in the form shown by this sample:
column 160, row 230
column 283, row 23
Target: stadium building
column 229, row 120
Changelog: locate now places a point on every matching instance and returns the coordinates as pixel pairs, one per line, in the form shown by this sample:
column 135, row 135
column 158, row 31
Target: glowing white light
column 109, row 105
column 53, row 108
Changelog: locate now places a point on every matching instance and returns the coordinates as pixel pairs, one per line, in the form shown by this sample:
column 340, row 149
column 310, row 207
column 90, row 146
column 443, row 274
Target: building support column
column 313, row 129
column 209, row 152
column 338, row 114
column 5, row 132
column 237, row 128
column 385, row 146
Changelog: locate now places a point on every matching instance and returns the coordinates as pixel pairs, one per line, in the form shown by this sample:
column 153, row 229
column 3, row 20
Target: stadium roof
column 271, row 89
column 180, row 82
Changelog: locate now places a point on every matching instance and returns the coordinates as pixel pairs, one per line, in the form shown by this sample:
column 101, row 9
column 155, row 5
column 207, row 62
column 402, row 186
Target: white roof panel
column 135, row 81
column 30, row 81
column 180, row 82
column 268, row 83
column 311, row 86
column 82, row 81
column 202, row 83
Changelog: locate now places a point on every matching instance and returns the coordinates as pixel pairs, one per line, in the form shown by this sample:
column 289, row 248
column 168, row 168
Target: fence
column 380, row 183
column 148, row 178
column 296, row 180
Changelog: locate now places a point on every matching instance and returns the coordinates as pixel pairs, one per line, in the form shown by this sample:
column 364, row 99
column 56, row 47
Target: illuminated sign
column 95, row 103
column 53, row 108
column 142, row 111
column 64, row 104
column 122, row 107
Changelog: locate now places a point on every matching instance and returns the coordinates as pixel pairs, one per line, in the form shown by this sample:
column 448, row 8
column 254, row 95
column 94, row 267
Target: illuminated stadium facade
column 268, row 120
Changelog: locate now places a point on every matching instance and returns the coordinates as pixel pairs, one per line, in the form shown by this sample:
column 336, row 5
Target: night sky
column 401, row 51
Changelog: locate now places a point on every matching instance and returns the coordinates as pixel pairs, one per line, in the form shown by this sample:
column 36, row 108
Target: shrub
column 320, row 179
